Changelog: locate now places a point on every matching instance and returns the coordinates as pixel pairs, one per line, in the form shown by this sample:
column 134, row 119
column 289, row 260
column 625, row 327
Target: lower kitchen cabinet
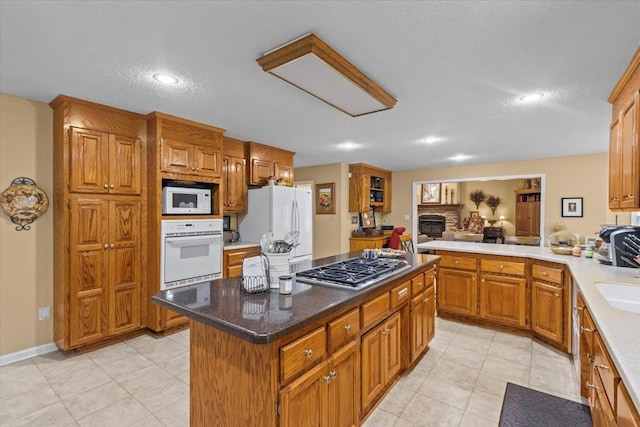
column 381, row 358
column 105, row 268
column 503, row 299
column 326, row 396
column 423, row 309
column 458, row 291
column 547, row 310
column 626, row 413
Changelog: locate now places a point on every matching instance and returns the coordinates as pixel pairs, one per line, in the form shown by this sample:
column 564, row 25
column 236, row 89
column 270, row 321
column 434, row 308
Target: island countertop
column 264, row 318
column 618, row 328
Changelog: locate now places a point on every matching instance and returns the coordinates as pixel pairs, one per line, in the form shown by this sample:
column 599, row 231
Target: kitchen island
column 272, row 359
column 617, row 328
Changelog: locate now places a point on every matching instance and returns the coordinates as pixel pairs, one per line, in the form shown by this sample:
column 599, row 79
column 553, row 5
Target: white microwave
column 190, row 200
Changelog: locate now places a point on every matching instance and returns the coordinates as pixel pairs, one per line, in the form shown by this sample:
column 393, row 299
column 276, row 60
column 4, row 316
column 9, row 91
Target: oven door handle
column 185, row 240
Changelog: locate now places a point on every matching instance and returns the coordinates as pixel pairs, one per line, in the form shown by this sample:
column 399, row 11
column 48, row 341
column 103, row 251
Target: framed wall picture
column 431, row 193
column 325, row 198
column 572, row 207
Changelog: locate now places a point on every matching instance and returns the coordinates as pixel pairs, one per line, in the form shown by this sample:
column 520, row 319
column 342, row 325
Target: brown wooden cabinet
column 103, row 163
column 188, row 148
column 381, row 358
column 503, row 299
column 234, row 169
column 458, row 285
column 232, row 260
column 422, row 321
column 626, row 412
column 265, row 161
column 549, row 302
column 372, row 242
column 325, row 396
column 527, row 212
column 99, row 233
column 624, row 147
column 369, row 186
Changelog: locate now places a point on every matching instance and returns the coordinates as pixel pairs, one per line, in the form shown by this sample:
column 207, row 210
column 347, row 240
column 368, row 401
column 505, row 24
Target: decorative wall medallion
column 24, row 202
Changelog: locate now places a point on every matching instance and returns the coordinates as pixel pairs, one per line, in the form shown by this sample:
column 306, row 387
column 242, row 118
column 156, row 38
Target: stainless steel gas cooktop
column 353, row 273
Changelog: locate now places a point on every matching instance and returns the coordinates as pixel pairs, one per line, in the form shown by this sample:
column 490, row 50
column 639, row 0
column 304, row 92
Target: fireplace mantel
column 424, row 206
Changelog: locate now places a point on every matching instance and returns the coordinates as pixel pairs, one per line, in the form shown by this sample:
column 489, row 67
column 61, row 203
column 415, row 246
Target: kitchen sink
column 622, row 296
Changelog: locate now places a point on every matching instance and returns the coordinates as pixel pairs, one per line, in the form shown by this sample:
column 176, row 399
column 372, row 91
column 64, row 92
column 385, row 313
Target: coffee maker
column 621, row 247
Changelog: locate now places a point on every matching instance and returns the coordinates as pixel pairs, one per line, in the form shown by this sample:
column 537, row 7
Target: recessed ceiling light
column 165, row 78
column 532, row 97
column 349, row 146
column 431, row 139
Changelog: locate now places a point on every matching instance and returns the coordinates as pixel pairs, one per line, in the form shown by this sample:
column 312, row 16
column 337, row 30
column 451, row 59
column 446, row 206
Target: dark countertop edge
column 269, row 337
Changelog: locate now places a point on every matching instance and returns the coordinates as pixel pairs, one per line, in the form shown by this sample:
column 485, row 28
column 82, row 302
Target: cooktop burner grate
column 353, row 272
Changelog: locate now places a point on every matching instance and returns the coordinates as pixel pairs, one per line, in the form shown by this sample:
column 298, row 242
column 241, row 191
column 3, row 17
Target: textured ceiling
column 457, row 70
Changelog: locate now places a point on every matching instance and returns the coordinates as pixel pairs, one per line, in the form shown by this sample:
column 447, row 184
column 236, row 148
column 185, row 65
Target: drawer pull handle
column 347, row 328
column 598, row 365
column 403, row 293
column 580, row 308
column 585, row 329
column 386, row 332
column 308, row 353
column 544, row 273
column 592, row 386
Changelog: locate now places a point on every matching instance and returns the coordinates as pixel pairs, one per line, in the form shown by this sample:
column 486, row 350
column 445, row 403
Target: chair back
column 406, row 243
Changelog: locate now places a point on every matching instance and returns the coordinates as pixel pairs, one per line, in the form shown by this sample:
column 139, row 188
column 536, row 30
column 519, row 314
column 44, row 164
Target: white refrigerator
column 280, row 209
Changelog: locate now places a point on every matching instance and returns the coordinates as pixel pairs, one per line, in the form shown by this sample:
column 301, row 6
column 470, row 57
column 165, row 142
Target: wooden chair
column 406, row 243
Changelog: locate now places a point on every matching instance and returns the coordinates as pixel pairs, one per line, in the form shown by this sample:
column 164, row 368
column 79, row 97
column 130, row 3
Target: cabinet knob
column 628, row 197
column 333, row 374
column 614, row 199
column 106, row 246
column 112, row 186
column 501, row 267
column 482, row 280
column 473, row 279
column 112, row 246
column 556, row 295
column 308, row 353
column 386, row 332
column 193, row 168
column 106, row 186
column 426, row 300
column 456, row 262
column 347, row 328
column 327, row 379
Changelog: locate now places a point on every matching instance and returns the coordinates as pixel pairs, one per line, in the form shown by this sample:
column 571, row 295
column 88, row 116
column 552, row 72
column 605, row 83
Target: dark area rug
column 524, row 407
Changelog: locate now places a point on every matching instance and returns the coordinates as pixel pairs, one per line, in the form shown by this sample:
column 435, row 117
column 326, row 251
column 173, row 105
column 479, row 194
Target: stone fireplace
column 450, row 212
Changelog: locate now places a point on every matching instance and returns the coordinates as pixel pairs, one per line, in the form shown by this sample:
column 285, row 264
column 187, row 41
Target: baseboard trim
column 27, row 353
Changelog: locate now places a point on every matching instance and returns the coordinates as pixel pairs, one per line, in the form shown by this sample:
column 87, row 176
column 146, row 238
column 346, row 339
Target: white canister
column 286, row 284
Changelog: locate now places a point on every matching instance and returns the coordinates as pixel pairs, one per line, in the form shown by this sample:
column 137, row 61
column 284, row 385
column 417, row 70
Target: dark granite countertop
column 265, row 318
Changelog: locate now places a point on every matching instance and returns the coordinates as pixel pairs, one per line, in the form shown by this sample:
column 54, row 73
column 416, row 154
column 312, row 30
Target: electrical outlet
column 354, row 220
column 44, row 313
column 406, row 217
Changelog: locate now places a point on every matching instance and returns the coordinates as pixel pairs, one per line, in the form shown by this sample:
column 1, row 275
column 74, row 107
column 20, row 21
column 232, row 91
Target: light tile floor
column 145, row 382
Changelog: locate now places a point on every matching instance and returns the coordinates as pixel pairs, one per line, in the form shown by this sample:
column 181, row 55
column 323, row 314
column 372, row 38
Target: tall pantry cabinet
column 99, row 161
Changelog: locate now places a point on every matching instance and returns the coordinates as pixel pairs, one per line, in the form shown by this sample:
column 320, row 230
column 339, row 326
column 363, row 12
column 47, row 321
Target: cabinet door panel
column 430, row 313
column 418, row 326
column 125, row 164
column 89, row 161
column 371, row 367
column 283, row 171
column 630, row 155
column 343, row 404
column 88, row 286
column 392, row 357
column 176, row 156
column 304, row 400
column 546, row 310
column 124, row 270
column 503, row 299
column 458, row 292
column 208, row 161
column 261, row 170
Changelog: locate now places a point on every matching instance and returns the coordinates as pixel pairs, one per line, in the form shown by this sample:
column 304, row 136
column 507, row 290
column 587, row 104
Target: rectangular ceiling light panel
column 312, row 66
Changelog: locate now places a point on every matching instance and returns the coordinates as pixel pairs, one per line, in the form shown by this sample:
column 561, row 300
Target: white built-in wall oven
column 190, row 252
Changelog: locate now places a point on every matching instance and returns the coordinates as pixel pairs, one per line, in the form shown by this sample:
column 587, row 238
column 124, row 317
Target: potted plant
column 493, row 202
column 477, row 197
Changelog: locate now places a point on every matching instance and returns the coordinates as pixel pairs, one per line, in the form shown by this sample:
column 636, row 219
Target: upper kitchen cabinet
column 234, row 175
column 265, row 161
column 102, row 162
column 369, row 186
column 100, row 235
column 624, row 148
column 187, row 148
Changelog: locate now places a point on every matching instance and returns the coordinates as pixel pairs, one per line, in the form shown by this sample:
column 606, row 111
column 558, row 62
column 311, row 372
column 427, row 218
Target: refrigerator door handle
column 296, row 217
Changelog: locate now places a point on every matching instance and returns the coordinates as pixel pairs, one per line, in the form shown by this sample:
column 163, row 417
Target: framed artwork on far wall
column 431, row 193
column 325, row 198
column 572, row 207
